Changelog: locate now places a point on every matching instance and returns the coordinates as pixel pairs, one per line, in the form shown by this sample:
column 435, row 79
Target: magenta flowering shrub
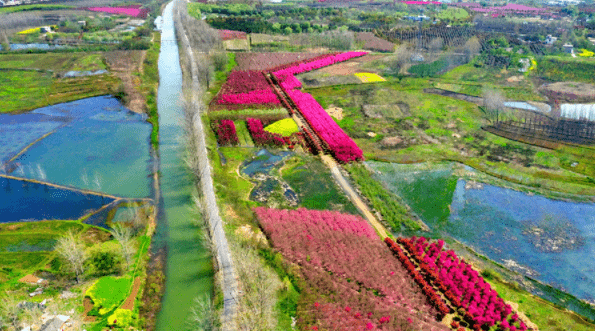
column 230, row 34
column 286, row 78
column 133, row 10
column 340, row 145
column 245, row 88
column 352, row 279
column 262, row 137
column 462, row 285
column 226, row 133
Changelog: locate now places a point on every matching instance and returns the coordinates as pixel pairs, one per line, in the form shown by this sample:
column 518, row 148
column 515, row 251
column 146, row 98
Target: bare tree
column 401, row 57
column 471, row 48
column 436, row 45
column 260, row 285
column 9, row 311
column 493, row 102
column 124, row 237
column 203, row 315
column 72, row 249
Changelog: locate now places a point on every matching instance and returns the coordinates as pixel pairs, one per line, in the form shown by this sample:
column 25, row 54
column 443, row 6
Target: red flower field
column 353, row 280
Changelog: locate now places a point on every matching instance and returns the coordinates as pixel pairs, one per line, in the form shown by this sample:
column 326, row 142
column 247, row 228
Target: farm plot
column 373, row 43
column 264, row 61
column 351, row 280
column 246, row 88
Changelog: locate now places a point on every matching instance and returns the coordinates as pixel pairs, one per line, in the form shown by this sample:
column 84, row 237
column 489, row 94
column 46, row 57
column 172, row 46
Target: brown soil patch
column 515, row 79
column 31, row 279
column 95, row 235
column 129, row 303
column 569, row 91
column 335, row 112
column 87, row 307
column 350, row 67
column 123, row 64
column 263, row 61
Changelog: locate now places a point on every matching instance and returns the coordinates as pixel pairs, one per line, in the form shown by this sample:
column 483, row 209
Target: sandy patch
column 335, row 112
column 515, row 79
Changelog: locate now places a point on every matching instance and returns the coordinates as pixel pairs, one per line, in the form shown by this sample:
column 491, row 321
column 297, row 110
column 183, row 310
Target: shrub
column 226, row 133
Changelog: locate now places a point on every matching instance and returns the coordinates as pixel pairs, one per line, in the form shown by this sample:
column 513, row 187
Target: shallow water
column 102, row 146
column 22, row 201
column 552, row 241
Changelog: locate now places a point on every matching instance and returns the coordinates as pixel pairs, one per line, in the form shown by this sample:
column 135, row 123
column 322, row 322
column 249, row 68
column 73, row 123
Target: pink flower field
column 352, row 280
column 133, row 10
column 247, row 88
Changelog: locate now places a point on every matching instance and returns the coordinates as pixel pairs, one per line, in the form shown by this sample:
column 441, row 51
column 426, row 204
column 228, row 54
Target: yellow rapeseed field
column 368, row 77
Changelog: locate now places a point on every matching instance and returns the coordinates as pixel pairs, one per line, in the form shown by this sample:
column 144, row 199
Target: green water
column 428, row 192
column 189, row 271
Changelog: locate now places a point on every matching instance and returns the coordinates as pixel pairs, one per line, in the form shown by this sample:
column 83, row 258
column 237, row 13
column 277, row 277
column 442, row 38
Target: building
column 568, row 48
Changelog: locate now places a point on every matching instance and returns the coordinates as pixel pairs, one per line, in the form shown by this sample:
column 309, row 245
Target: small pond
column 260, row 170
column 98, row 145
column 550, row 240
column 22, row 201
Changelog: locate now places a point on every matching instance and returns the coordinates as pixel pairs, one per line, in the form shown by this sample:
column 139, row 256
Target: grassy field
column 471, row 80
column 57, row 62
column 244, row 138
column 14, row 9
column 434, row 128
column 566, row 69
column 314, row 185
column 26, row 90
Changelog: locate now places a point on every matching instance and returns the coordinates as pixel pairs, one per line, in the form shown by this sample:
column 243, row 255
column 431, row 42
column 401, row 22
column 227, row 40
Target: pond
column 23, row 201
column 260, row 170
column 549, row 240
column 94, row 143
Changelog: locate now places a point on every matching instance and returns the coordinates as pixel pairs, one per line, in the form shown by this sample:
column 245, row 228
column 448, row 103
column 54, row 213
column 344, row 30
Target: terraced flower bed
column 353, row 282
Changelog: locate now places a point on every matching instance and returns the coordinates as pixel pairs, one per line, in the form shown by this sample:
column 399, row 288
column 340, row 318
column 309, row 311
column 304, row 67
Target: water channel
column 548, row 240
column 188, row 269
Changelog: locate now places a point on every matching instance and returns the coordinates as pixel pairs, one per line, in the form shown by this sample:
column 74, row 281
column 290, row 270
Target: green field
column 27, row 90
column 244, row 138
column 453, row 14
column 436, row 128
column 14, row 9
column 314, row 185
column 57, row 62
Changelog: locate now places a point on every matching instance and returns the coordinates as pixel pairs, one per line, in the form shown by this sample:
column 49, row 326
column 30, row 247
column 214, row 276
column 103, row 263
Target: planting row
column 426, row 288
column 340, row 145
column 463, row 286
column 352, row 281
column 285, row 76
